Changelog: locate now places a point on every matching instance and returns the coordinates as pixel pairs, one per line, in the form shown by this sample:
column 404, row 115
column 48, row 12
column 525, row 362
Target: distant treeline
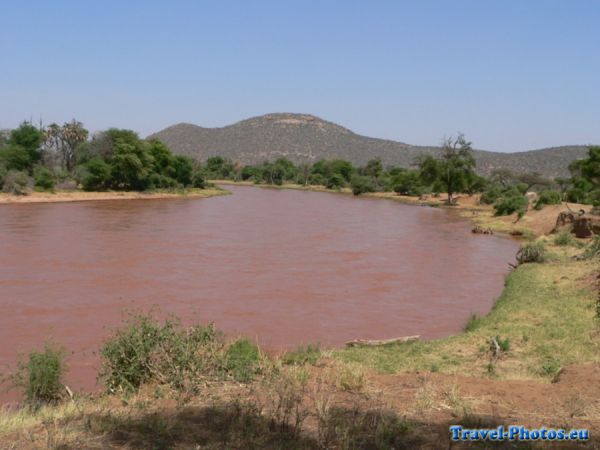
column 66, row 157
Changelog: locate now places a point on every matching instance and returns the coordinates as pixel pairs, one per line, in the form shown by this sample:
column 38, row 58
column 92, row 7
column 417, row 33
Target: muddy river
column 282, row 267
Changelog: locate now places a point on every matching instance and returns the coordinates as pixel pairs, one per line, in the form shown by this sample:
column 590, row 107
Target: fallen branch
column 374, row 342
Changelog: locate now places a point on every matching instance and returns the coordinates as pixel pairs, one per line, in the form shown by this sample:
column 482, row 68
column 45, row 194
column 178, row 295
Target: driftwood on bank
column 374, row 342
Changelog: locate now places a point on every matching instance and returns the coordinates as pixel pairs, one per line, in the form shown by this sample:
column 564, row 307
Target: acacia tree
column 453, row 169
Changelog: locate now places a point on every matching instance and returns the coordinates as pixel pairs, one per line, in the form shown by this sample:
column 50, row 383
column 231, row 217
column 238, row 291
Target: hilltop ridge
column 307, row 138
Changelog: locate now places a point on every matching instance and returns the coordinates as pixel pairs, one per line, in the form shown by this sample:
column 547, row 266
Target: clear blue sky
column 510, row 74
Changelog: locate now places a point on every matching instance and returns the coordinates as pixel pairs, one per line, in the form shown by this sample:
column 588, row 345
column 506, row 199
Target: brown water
column 280, row 266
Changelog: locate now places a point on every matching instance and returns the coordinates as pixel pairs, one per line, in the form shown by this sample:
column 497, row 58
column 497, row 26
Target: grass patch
column 242, row 360
column 302, row 355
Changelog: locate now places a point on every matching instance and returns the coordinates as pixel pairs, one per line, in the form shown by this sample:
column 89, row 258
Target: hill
column 307, row 138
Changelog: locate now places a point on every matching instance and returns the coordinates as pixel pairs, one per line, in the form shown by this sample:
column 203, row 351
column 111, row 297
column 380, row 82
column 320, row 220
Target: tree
column 97, row 176
column 532, row 179
column 28, row 138
column 373, row 169
column 22, row 148
column 407, row 182
column 453, row 169
column 131, row 166
column 361, row 184
column 64, row 141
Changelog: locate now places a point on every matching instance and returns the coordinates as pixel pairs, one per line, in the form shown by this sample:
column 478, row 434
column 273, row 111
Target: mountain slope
column 306, row 138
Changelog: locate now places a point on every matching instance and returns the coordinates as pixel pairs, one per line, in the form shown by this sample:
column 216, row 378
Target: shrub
column 506, row 206
column 40, row 376
column 335, row 181
column 302, row 355
column 317, row 179
column 473, row 323
column 533, row 252
column 147, row 350
column 97, row 176
column 491, row 195
column 547, row 197
column 43, row 178
column 198, row 180
column 361, row 184
column 242, row 360
column 16, row 183
column 564, row 238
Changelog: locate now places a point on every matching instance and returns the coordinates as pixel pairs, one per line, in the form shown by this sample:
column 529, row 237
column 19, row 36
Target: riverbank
column 61, row 196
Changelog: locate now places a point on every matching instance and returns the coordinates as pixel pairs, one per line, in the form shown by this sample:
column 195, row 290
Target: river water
column 282, row 267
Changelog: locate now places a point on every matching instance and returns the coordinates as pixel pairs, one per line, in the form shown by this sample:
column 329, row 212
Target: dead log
column 375, row 342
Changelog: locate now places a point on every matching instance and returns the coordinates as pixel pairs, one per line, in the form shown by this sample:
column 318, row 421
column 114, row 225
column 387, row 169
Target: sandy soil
column 79, row 196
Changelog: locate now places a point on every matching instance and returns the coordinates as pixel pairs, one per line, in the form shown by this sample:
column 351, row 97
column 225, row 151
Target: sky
column 512, row 74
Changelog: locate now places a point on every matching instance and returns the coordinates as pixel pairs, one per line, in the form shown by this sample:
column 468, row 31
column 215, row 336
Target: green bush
column 242, row 360
column 473, row 323
column 547, row 197
column 506, row 206
column 40, row 376
column 317, row 179
column 198, row 180
column 146, row 350
column 302, row 355
column 361, row 184
column 16, row 183
column 533, row 252
column 565, row 238
column 491, row 195
column 97, row 175
column 335, row 181
column 44, row 179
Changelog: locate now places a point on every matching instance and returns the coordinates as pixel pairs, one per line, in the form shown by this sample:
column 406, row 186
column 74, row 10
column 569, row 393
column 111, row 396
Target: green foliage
column 43, row 178
column 361, row 184
column 184, row 169
column 547, row 197
column 242, row 360
column 146, row 350
column 473, row 323
column 40, row 375
column 454, row 170
column 16, row 183
column 408, row 182
column 302, row 355
column 97, row 175
column 198, row 180
column 28, row 138
column 491, row 195
column 15, row 157
column 119, row 159
column 533, row 252
column 130, row 166
column 509, row 203
column 217, row 167
column 585, row 183
column 335, row 181
column 565, row 238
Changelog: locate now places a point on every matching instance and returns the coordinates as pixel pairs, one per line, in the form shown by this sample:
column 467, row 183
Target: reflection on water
column 283, row 267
